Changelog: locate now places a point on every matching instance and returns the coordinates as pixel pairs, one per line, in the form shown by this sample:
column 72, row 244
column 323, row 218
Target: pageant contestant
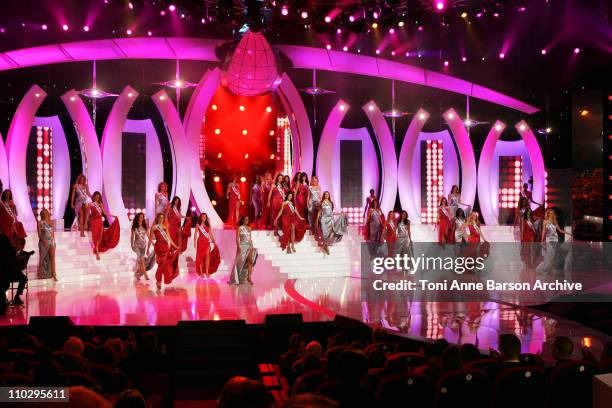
column 301, row 195
column 246, row 254
column 444, row 222
column 314, row 202
column 292, row 224
column 390, row 232
column 368, row 202
column 264, row 222
column 46, row 246
column 166, row 252
column 257, row 200
column 550, row 238
column 233, row 195
column 528, row 236
column 140, row 241
column 331, row 229
column 287, row 183
column 458, row 226
column 519, row 215
column 161, row 198
column 80, row 199
column 9, row 225
column 454, row 200
column 208, row 257
column 404, row 237
column 276, row 198
column 179, row 234
column 102, row 239
column 375, row 220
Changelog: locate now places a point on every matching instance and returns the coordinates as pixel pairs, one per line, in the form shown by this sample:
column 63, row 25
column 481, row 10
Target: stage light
column 149, row 33
column 268, row 109
column 377, row 52
column 65, row 27
column 328, row 47
column 584, row 112
column 241, row 108
column 464, row 15
column 400, row 24
column 440, row 5
column 214, row 107
column 44, row 27
column 327, row 19
column 371, row 107
column 162, row 13
column 543, row 52
column 216, row 179
column 451, row 115
column 130, row 94
column 352, row 19
column 522, row 127
column 391, row 31
column 245, row 132
column 422, row 116
column 128, row 31
column 498, row 128
column 72, row 99
column 495, row 15
column 162, row 97
column 393, row 53
column 463, row 59
column 220, row 155
column 407, row 53
column 375, row 15
column 342, row 107
column 217, row 131
column 214, row 202
column 272, row 156
column 548, row 130
column 420, row 28
column 246, row 156
column 375, row 25
column 37, row 95
column 502, row 55
column 521, row 9
column 576, row 50
column 446, row 63
column 345, row 48
column 271, row 133
column 86, row 28
column 339, row 31
column 172, row 7
column 284, row 10
column 243, row 179
column 469, row 123
column 304, row 14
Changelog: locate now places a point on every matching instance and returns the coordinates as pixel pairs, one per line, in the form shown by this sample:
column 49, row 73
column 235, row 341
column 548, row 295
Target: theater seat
column 513, row 384
column 488, row 365
column 69, row 379
column 571, row 385
column 69, row 362
column 463, row 388
column 417, row 389
column 309, row 382
column 399, row 363
column 530, row 359
column 11, row 380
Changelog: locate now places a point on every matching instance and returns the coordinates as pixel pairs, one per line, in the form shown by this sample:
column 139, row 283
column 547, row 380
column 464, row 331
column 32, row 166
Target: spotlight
column 220, row 155
column 149, row 33
column 400, row 24
column 172, row 7
column 284, row 11
column 451, row 115
column 371, row 107
column 502, row 55
column 446, row 63
column 86, row 28
column 422, row 116
column 272, row 157
column 345, row 48
column 214, row 107
column 65, row 27
column 342, row 107
column 129, row 31
column 522, row 127
column 304, row 14
column 217, row 131
column 339, row 31
column 463, row 59
column 268, row 109
column 243, row 179
column 352, row 19
column 407, row 53
column 543, row 52
column 548, row 130
column 464, row 15
column 440, row 5
column 377, row 52
column 162, row 97
column 244, row 132
column 375, row 15
column 328, row 47
column 327, row 19
column 241, row 108
column 576, row 50
column 393, row 53
column 374, row 25
column 391, row 31
column 498, row 128
column 584, row 112
column 130, row 95
column 216, row 179
column 214, row 202
column 246, row 156
column 44, row 27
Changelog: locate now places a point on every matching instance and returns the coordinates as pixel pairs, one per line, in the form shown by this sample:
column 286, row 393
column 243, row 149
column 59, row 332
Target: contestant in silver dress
column 331, row 229
column 46, row 247
column 374, row 223
column 454, row 201
column 314, row 201
column 80, row 199
column 246, row 254
column 139, row 240
column 161, row 198
column 403, row 244
column 550, row 239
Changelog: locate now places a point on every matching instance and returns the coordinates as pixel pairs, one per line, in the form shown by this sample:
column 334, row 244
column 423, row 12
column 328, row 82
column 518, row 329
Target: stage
column 311, row 283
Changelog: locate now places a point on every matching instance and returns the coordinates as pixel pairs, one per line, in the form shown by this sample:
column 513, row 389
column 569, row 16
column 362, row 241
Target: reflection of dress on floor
column 550, row 248
column 243, row 251
column 332, row 230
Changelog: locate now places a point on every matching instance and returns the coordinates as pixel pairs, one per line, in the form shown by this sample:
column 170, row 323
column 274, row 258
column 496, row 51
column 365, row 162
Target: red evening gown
column 390, row 236
column 264, row 221
column 204, row 241
column 166, row 257
column 234, row 204
column 174, row 226
column 301, row 200
column 104, row 239
column 288, row 218
column 444, row 229
column 9, row 225
column 276, row 201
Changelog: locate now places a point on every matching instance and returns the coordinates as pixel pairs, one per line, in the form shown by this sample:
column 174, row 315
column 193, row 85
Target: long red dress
column 301, row 200
column 174, row 226
column 103, row 239
column 276, row 201
column 234, row 205
column 390, row 236
column 165, row 256
column 288, row 218
column 9, row 225
column 444, row 222
column 204, row 242
column 264, row 221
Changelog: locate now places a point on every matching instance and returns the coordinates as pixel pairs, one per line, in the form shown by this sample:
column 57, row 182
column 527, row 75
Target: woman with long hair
column 207, row 252
column 246, row 254
column 287, row 183
column 293, row 225
column 528, row 236
column 161, row 198
column 264, row 222
column 454, row 200
column 331, row 229
column 444, row 221
column 179, row 234
column 457, row 226
column 166, row 251
column 368, row 202
column 301, row 195
column 257, row 200
column 139, row 242
column 314, row 202
column 9, row 225
column 276, row 197
column 550, row 238
column 375, row 220
column 472, row 230
column 390, row 232
column 102, row 240
column 46, row 246
column 80, row 199
column 404, row 237
column 233, row 195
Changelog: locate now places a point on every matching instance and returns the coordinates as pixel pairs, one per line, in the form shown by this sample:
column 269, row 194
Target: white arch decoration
column 326, row 145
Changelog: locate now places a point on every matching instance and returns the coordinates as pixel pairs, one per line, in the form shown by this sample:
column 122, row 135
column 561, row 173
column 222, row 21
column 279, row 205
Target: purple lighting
column 65, row 27
column 502, row 55
column 44, row 27
column 576, row 50
column 440, row 5
column 86, row 28
column 284, row 11
column 172, row 7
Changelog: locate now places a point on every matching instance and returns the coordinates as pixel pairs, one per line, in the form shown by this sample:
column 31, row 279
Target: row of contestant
column 393, row 230
column 456, row 227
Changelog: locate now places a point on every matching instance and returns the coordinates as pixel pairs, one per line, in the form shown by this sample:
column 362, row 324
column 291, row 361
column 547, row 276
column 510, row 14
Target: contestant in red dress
column 528, row 237
column 275, row 198
column 9, row 225
column 102, row 239
column 179, row 234
column 166, row 252
column 287, row 183
column 207, row 251
column 301, row 195
column 390, row 232
column 444, row 222
column 474, row 236
column 293, row 224
column 264, row 221
column 368, row 202
column 233, row 195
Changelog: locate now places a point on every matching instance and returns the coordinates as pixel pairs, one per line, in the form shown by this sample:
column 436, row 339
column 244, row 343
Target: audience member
column 314, row 348
column 240, row 392
column 130, row 399
column 309, row 401
column 509, row 350
column 81, row 397
column 74, row 345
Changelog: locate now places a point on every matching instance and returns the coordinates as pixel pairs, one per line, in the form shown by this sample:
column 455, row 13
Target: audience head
column 351, row 367
column 470, row 352
column 310, row 363
column 509, row 347
column 240, row 392
column 436, row 348
column 103, row 355
column 379, row 335
column 149, row 342
column 339, row 339
column 296, row 342
column 130, row 399
column 84, row 397
column 452, row 359
column 563, row 348
column 309, row 401
column 314, row 348
column 74, row 345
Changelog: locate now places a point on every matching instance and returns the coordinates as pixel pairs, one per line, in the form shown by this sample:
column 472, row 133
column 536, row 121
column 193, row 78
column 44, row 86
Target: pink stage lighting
column 543, row 52
column 65, row 27
column 502, row 55
column 86, row 28
column 439, row 5
column 576, row 50
column 304, row 14
column 172, row 7
column 284, row 11
column 446, row 63
column 327, row 19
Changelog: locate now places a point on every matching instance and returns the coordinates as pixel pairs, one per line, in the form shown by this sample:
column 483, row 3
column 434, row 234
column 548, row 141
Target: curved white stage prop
column 325, row 154
column 61, row 164
column 91, row 156
column 405, row 176
column 466, row 157
column 537, row 160
column 182, row 180
column 4, row 172
column 386, row 145
column 487, row 193
column 16, row 147
column 111, row 150
column 192, row 123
